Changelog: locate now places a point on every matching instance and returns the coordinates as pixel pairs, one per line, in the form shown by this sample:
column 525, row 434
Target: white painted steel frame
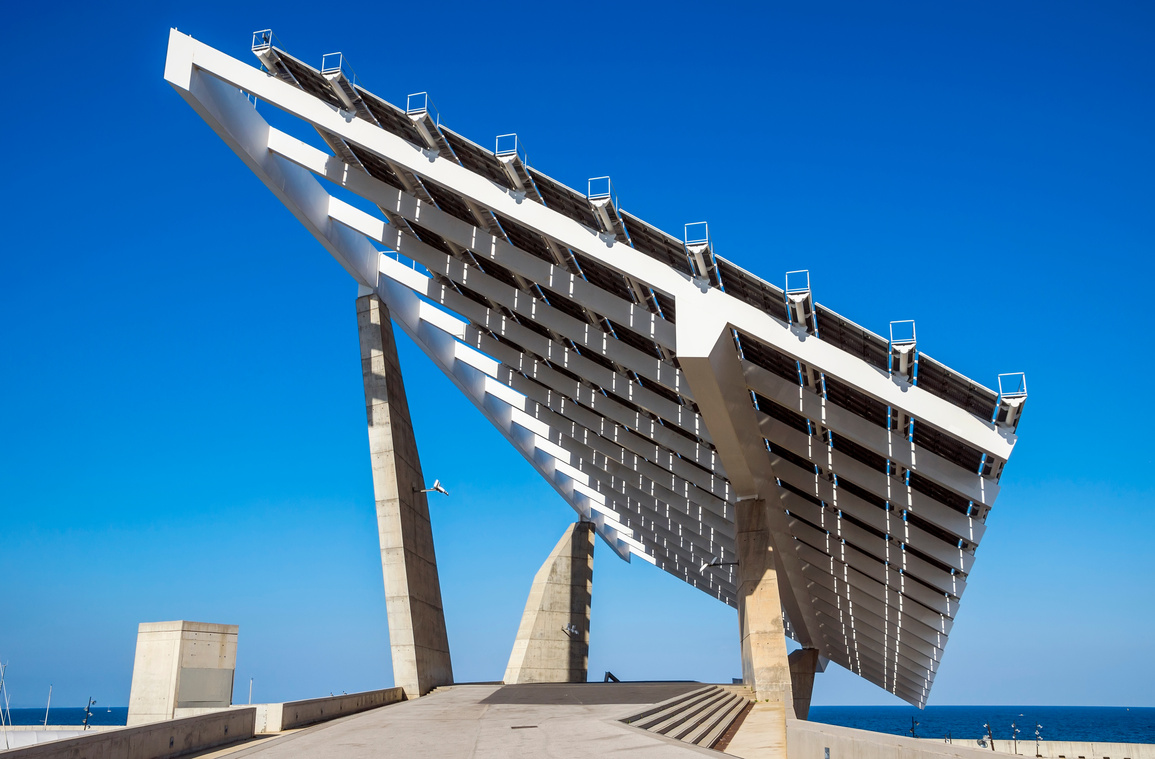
column 867, row 586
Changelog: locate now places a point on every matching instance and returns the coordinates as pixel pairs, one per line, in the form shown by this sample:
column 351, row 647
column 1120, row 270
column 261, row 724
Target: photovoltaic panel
column 476, row 159
column 525, row 239
column 852, row 338
column 656, row 244
column 564, row 200
column 391, row 118
column 936, row 378
column 757, row 292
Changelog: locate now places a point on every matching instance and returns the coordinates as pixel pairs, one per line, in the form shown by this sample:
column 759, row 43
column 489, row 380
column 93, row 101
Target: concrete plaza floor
column 480, row 721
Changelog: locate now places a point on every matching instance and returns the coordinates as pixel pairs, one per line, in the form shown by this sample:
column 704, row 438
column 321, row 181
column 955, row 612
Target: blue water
column 71, row 716
column 1104, row 724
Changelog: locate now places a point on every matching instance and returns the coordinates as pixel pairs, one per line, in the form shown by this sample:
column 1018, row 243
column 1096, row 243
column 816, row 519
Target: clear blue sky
column 182, row 433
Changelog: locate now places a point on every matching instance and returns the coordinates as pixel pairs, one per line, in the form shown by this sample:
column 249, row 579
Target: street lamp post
column 88, row 711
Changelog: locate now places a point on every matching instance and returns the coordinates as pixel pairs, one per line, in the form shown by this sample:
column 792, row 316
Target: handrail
column 264, row 39
column 1016, row 385
column 419, row 103
column 796, row 288
column 905, row 336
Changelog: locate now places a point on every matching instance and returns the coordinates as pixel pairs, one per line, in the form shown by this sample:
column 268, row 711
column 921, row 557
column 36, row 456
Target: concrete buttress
column 803, row 664
column 553, row 641
column 417, row 635
column 765, row 665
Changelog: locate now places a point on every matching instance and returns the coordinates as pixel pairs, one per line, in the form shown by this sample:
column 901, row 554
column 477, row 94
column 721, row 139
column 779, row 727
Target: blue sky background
column 182, row 433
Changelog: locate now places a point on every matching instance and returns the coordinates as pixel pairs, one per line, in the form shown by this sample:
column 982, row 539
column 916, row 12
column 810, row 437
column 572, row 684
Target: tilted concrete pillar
column 803, row 664
column 417, row 636
column 765, row 666
column 553, row 641
column 181, row 665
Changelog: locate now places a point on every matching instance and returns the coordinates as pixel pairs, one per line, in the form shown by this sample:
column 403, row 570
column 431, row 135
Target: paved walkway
column 482, row 721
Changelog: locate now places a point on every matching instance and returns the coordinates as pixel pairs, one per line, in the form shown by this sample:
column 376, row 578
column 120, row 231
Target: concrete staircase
column 700, row 717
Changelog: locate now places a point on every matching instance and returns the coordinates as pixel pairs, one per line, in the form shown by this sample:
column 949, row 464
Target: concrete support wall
column 765, row 667
column 803, row 665
column 417, row 636
column 812, row 740
column 559, row 598
column 273, row 718
column 162, row 740
column 1062, row 749
column 181, row 664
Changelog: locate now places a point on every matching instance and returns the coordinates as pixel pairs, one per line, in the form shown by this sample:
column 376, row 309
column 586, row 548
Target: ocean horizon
column 1100, row 724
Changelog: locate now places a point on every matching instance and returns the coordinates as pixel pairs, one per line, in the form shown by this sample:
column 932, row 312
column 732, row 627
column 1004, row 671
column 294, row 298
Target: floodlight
column 435, row 489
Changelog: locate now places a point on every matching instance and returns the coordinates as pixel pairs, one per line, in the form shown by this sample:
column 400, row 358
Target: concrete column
column 181, row 665
column 417, row 637
column 803, row 665
column 553, row 641
column 765, row 667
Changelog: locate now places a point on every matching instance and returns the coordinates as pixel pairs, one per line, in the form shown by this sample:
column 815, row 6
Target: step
column 742, row 690
column 663, row 719
column 694, row 728
column 711, row 736
column 701, row 707
column 660, row 711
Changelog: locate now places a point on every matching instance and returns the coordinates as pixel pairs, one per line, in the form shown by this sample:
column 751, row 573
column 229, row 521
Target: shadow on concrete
column 589, row 694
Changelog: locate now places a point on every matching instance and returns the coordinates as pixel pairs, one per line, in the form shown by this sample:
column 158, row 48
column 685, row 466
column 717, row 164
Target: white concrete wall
column 811, row 740
column 160, row 740
column 294, row 714
column 273, row 718
column 18, row 736
column 1069, row 749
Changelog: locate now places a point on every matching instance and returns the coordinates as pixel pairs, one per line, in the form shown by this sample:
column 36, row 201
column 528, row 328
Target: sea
column 1101, row 724
column 64, row 715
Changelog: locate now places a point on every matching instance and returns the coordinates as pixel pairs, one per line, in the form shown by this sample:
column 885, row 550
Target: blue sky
column 183, row 425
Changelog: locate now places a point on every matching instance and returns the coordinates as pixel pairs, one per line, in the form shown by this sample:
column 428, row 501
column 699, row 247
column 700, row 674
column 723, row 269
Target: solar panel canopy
column 650, row 381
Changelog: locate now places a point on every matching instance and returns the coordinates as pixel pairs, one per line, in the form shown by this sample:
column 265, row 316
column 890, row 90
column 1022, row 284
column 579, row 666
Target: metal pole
column 250, row 690
column 3, row 692
column 49, row 705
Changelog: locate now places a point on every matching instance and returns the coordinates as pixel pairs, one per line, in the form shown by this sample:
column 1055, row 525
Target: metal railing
column 1013, row 385
column 335, row 63
column 598, row 188
column 264, row 39
column 696, row 233
column 508, row 144
column 902, row 332
column 798, row 281
column 419, row 103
